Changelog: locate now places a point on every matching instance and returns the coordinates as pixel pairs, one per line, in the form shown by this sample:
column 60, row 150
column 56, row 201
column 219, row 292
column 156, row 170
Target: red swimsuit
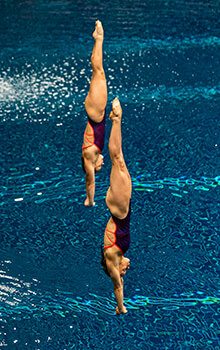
column 121, row 233
column 98, row 134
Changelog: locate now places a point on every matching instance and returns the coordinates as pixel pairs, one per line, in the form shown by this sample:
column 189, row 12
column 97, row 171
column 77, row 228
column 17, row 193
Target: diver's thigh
column 120, row 182
column 96, row 99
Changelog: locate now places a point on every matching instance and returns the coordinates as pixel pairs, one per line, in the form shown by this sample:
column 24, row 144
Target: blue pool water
column 162, row 60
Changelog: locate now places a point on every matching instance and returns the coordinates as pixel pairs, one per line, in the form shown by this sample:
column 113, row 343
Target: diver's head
column 99, row 163
column 124, row 266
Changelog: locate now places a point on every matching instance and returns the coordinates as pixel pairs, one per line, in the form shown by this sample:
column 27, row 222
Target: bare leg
column 119, row 193
column 97, row 56
column 96, row 99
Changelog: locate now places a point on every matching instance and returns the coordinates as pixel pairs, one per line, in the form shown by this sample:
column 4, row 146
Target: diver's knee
column 117, row 158
column 114, row 151
column 97, row 70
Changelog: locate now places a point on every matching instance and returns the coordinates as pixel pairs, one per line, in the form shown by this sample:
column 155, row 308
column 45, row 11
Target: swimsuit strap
column 91, row 143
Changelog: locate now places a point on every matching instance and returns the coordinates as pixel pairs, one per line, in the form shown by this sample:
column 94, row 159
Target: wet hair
column 83, row 165
column 103, row 262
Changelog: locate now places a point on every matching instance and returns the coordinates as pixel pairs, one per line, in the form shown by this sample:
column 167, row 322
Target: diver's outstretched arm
column 117, row 281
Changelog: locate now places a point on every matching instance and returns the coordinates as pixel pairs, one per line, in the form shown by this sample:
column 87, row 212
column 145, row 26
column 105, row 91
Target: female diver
column 118, row 200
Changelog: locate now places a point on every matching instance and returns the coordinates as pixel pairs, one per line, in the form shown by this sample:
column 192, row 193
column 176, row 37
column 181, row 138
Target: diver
column 118, row 200
column 95, row 105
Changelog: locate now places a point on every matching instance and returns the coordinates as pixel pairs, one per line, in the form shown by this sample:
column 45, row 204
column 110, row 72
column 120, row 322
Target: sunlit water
column 162, row 60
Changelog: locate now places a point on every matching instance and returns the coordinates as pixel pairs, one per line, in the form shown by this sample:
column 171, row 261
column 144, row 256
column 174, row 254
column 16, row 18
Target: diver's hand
column 122, row 311
column 87, row 203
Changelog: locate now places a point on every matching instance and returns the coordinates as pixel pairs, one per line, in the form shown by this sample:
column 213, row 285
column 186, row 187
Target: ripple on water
column 170, row 142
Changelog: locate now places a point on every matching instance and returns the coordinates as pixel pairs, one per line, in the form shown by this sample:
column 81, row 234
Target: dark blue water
column 162, row 60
